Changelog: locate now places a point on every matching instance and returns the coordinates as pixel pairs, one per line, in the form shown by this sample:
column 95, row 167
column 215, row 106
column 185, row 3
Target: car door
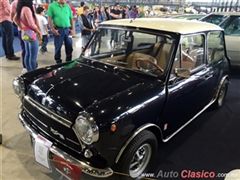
column 232, row 37
column 187, row 96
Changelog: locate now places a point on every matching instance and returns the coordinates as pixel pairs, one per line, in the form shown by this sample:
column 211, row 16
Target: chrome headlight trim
column 91, row 129
column 19, row 87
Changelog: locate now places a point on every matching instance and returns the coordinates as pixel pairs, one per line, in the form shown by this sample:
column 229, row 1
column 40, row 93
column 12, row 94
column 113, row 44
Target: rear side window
column 232, row 26
column 215, row 45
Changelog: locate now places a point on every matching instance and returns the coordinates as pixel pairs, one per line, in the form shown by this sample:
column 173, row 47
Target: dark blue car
column 106, row 113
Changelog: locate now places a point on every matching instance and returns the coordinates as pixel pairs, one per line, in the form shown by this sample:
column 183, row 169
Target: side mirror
column 182, row 72
column 126, row 39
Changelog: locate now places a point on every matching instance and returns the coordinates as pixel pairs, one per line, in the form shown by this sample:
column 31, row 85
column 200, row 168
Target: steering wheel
column 150, row 62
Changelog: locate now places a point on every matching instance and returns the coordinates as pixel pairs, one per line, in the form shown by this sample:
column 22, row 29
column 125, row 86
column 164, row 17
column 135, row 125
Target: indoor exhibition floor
column 211, row 143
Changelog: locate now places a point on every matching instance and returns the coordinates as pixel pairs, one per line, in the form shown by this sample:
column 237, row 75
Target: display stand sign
column 41, row 151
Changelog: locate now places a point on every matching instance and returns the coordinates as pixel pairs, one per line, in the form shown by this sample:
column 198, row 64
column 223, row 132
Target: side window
column 215, row 45
column 192, row 51
column 232, row 26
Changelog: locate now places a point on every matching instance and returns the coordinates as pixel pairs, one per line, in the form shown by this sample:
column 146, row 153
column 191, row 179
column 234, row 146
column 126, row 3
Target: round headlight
column 18, row 87
column 86, row 131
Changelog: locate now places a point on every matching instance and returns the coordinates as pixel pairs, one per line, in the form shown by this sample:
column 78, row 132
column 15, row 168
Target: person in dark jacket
column 116, row 13
column 86, row 27
column 125, row 12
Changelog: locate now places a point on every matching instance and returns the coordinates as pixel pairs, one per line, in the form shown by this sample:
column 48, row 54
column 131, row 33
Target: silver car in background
column 230, row 22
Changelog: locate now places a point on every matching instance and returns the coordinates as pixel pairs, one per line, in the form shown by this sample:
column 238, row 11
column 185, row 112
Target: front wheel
column 221, row 95
column 137, row 156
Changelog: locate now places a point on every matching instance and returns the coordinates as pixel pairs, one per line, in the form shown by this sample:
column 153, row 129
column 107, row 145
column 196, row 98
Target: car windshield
column 135, row 50
column 214, row 18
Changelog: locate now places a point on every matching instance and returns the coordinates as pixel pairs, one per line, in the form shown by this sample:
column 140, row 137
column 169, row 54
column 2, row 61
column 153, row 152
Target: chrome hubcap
column 140, row 160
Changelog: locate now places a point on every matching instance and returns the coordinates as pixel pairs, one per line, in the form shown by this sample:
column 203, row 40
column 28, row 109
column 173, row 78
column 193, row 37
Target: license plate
column 69, row 170
column 41, row 151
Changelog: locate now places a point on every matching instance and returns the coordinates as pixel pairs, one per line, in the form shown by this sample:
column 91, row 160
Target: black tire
column 221, row 95
column 145, row 143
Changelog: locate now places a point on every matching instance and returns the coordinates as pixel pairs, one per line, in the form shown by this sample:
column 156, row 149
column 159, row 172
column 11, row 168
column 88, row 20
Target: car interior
column 137, row 51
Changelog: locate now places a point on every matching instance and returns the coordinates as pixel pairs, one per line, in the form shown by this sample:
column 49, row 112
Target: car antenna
column 132, row 20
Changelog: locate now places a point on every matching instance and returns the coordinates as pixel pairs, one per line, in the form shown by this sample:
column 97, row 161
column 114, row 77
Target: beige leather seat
column 161, row 55
column 218, row 54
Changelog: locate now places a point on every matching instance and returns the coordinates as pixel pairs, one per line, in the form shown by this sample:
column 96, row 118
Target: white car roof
column 165, row 24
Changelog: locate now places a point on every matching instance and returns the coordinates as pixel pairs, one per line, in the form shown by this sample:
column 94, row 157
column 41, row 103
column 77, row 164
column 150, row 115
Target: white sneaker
column 24, row 70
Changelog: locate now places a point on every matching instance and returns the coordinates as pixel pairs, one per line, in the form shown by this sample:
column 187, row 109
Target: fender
column 140, row 129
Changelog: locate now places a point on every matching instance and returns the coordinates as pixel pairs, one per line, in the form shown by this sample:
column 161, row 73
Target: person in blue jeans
column 62, row 27
column 26, row 20
column 31, row 51
column 44, row 30
column 7, row 30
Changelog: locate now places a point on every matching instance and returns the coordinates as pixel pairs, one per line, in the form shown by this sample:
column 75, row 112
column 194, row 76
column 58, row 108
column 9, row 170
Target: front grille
column 55, row 129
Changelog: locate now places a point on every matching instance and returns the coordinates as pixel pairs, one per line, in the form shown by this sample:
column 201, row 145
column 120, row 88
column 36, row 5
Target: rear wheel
column 137, row 156
column 221, row 95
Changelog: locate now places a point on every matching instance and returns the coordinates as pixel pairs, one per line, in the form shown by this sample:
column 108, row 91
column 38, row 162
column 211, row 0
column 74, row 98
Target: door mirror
column 182, row 72
column 126, row 38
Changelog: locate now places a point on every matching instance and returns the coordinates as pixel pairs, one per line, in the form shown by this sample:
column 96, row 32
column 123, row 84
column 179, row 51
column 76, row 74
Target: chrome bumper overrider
column 92, row 171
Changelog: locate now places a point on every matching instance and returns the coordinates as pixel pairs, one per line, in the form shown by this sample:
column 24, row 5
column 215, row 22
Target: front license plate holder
column 69, row 170
column 41, row 151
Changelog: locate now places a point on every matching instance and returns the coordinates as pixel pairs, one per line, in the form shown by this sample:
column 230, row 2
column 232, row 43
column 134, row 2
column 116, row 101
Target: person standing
column 134, row 12
column 115, row 14
column 80, row 10
column 43, row 27
column 125, row 12
column 13, row 12
column 26, row 20
column 97, row 16
column 74, row 14
column 7, row 30
column 86, row 26
column 60, row 20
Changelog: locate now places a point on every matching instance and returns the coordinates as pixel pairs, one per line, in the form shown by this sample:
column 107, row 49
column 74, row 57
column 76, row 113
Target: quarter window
column 192, row 51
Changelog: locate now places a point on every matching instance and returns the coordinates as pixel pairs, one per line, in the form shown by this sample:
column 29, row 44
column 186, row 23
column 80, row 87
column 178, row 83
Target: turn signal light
column 113, row 127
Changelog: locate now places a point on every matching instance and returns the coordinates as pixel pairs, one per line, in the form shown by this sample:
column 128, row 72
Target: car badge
column 67, row 170
column 55, row 132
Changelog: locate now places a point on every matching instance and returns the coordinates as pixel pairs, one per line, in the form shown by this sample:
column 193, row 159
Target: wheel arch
column 226, row 77
column 151, row 127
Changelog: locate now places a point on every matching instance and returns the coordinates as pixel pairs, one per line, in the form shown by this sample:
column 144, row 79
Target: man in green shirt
column 60, row 19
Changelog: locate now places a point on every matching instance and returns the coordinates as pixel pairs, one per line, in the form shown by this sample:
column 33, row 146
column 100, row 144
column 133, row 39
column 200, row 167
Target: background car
column 230, row 22
column 189, row 16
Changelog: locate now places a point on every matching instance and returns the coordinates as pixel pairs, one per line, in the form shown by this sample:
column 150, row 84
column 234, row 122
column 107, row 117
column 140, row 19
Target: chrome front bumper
column 87, row 169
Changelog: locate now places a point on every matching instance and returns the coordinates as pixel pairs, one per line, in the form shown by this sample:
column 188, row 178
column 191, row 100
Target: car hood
column 71, row 88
